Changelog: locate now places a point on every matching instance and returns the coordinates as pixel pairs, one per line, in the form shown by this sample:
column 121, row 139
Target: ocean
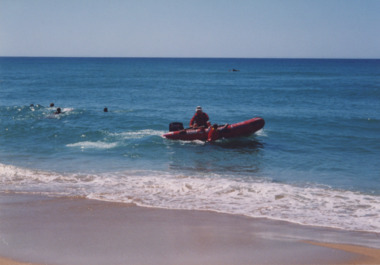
column 316, row 162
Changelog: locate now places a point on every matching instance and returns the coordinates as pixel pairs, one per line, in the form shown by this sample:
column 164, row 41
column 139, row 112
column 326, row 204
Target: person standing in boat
column 200, row 119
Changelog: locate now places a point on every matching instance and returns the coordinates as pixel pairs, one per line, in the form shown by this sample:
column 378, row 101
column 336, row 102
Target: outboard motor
column 175, row 126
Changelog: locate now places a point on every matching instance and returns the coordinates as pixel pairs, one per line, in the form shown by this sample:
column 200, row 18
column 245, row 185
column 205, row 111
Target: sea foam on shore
column 317, row 206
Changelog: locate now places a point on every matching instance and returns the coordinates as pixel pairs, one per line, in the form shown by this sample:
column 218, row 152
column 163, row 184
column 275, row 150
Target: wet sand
column 4, row 261
column 37, row 229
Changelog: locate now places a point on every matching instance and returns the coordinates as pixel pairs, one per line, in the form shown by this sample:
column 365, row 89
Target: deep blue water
column 321, row 141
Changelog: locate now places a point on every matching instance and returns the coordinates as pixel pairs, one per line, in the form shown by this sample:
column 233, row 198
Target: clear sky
column 191, row 28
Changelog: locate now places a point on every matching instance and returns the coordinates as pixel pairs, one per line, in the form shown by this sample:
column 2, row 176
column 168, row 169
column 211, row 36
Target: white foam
column 261, row 133
column 67, row 109
column 311, row 206
column 193, row 142
column 317, row 206
column 137, row 134
column 117, row 137
column 93, row 145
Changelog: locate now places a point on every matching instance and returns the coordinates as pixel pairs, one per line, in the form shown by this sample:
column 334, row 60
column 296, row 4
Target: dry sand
column 71, row 231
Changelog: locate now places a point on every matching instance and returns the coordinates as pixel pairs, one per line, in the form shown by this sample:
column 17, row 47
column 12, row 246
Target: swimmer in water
column 58, row 111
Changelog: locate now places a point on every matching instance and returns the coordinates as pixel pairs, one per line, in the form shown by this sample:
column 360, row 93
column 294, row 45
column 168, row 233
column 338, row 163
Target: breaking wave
column 317, row 206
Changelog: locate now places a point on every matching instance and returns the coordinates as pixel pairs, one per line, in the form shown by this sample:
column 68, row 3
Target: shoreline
column 37, row 229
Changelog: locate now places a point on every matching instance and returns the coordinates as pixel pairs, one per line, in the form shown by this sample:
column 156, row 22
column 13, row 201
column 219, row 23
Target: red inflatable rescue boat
column 244, row 128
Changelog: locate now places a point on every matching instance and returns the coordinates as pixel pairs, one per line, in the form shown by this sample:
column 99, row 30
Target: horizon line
column 185, row 57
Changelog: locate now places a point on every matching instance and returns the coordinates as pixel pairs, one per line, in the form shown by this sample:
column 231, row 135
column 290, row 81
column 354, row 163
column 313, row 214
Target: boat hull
column 241, row 129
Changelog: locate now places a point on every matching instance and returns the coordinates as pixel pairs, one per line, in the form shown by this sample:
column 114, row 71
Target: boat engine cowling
column 175, row 126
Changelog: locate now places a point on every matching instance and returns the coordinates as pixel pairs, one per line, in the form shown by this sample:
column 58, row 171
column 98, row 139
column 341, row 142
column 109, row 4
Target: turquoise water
column 316, row 161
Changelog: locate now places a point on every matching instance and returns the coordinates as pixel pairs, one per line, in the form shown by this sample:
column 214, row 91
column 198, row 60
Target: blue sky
column 191, row 28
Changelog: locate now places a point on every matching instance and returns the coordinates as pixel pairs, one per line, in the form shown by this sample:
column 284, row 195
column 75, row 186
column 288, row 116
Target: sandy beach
column 36, row 229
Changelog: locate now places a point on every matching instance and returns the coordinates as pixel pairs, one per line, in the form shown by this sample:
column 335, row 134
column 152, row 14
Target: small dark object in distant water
column 58, row 111
column 51, row 105
column 105, row 110
column 234, row 70
column 32, row 105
